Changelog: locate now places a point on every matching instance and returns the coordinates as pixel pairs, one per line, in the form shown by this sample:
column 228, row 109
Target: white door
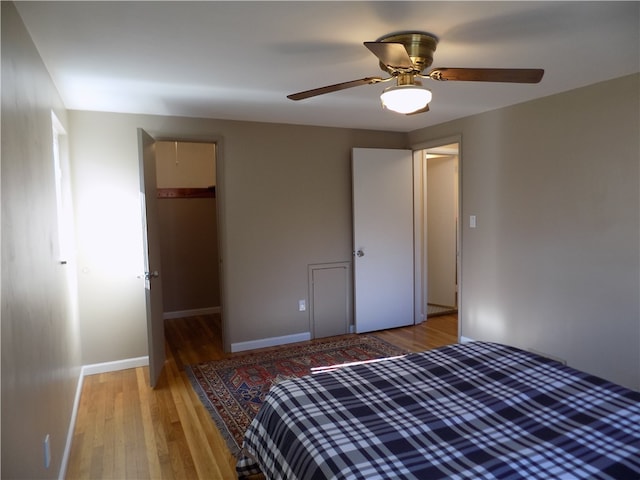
column 383, row 238
column 151, row 238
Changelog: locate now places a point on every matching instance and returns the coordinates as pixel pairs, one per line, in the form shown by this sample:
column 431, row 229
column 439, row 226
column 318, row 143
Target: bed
column 474, row 410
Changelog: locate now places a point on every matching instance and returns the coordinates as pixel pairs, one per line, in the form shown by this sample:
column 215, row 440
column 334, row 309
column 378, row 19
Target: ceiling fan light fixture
column 405, row 98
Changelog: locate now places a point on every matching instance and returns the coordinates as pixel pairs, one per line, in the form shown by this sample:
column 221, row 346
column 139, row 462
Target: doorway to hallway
column 437, row 228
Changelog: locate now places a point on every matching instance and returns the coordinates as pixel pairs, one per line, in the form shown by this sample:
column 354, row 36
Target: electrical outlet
column 302, row 305
column 47, row 451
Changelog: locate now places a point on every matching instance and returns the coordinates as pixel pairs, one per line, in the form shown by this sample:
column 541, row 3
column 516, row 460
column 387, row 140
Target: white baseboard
column 466, row 339
column 115, row 366
column 72, row 426
column 191, row 313
column 270, row 342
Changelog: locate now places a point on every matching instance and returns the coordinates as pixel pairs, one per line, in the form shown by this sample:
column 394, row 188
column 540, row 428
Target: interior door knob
column 360, row 253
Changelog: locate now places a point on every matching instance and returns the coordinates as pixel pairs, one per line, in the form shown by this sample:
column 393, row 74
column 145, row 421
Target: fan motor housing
column 419, row 45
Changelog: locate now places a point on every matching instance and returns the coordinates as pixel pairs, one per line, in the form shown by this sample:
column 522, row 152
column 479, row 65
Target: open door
column 383, row 238
column 151, row 238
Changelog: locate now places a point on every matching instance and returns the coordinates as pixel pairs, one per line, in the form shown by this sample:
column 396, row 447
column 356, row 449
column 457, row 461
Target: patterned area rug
column 233, row 390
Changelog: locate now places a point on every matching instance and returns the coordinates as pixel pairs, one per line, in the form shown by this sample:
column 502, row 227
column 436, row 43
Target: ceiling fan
column 405, row 56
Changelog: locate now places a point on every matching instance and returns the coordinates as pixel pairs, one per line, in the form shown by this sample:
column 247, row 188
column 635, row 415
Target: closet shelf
column 207, row 192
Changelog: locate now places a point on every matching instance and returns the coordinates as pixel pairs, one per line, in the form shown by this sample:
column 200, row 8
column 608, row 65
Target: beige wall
column 40, row 341
column 553, row 264
column 284, row 196
column 189, row 255
column 185, row 164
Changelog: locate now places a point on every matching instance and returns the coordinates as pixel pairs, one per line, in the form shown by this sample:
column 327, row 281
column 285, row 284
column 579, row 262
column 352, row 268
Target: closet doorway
column 186, row 183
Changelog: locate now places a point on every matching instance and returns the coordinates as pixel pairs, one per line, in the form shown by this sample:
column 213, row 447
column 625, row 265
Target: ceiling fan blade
column 422, row 110
column 391, row 54
column 513, row 75
column 334, row 88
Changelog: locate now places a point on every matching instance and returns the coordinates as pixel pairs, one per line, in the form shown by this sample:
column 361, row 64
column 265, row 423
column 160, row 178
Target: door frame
column 420, row 228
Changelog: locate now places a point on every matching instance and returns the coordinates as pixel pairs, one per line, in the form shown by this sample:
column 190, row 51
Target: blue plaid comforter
column 469, row 411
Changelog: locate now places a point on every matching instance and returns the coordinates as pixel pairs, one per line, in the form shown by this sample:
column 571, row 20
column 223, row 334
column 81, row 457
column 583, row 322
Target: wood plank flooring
column 126, row 430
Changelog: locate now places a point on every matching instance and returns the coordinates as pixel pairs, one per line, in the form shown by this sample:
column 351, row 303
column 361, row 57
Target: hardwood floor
column 126, row 430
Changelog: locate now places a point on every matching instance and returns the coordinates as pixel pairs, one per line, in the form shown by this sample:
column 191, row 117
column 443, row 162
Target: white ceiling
column 238, row 60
